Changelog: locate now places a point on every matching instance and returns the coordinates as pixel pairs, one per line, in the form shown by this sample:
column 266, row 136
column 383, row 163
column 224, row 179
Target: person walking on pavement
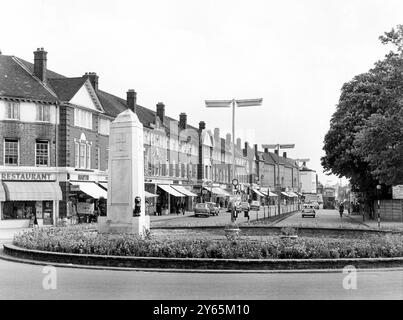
column 341, row 209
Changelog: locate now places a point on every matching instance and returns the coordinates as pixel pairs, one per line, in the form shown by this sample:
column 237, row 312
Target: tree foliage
column 364, row 141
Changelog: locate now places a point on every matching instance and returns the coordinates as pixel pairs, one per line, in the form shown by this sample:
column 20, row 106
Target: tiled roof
column 66, row 88
column 16, row 82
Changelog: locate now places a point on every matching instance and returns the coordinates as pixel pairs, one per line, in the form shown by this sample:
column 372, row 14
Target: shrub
column 87, row 241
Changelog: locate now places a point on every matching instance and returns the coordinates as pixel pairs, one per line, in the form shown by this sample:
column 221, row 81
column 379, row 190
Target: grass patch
column 80, row 240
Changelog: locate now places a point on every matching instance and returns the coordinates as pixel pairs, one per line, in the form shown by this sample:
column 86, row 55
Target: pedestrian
column 341, row 209
column 183, row 208
column 159, row 209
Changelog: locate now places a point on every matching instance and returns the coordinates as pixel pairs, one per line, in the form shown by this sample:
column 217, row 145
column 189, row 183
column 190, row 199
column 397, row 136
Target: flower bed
column 79, row 240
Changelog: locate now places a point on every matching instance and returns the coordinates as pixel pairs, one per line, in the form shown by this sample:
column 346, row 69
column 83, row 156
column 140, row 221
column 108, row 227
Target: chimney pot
column 93, row 77
column 40, row 64
column 182, row 120
column 202, row 125
column 131, row 100
column 266, row 150
column 276, row 152
column 284, row 154
column 161, row 111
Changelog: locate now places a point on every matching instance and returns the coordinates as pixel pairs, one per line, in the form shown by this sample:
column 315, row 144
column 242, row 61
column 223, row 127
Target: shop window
column 18, row 210
column 42, row 113
column 11, row 152
column 42, row 153
column 13, row 111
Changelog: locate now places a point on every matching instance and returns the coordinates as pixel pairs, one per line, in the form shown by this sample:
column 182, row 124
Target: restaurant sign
column 27, row 176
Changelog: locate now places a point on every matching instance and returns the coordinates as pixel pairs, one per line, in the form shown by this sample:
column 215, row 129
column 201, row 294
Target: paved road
column 326, row 218
column 24, row 281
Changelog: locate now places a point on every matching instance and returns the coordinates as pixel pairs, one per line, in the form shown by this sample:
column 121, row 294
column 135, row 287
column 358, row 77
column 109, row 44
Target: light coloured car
column 308, row 210
column 255, row 205
column 245, row 206
column 202, row 209
column 214, row 210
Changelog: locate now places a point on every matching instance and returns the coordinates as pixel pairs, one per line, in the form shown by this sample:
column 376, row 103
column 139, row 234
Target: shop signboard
column 85, row 208
column 27, row 176
column 397, row 191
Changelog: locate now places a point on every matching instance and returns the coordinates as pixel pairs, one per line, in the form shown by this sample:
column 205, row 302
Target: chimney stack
column 40, row 62
column 228, row 139
column 93, row 79
column 284, row 154
column 255, row 147
column 266, row 150
column 182, row 120
column 216, row 134
column 131, row 100
column 202, row 125
column 161, row 111
column 238, row 143
column 276, row 151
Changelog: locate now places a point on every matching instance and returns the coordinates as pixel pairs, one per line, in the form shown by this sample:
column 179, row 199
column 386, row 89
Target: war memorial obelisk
column 125, row 177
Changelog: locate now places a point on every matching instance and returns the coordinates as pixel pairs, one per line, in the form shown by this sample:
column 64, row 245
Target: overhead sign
column 397, row 192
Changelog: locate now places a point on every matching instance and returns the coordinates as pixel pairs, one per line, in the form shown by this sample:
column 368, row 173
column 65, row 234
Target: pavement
column 25, row 281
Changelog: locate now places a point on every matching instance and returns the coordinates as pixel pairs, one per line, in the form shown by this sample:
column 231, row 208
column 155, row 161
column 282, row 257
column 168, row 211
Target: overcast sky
column 296, row 55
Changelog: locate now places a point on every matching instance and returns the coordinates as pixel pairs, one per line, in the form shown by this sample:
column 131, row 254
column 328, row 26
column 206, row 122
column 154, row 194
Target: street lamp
column 278, row 147
column 234, row 103
column 378, row 193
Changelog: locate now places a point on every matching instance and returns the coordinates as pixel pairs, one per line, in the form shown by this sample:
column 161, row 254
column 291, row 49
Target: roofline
column 7, row 98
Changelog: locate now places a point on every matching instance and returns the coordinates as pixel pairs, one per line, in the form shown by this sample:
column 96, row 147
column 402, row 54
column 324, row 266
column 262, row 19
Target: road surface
column 325, row 218
column 25, row 281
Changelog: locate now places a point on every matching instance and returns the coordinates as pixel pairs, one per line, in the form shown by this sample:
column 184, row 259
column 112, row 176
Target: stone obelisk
column 125, row 177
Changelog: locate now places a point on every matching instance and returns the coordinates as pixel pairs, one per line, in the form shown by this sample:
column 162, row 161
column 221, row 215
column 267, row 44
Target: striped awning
column 32, row 191
column 167, row 188
column 90, row 188
column 183, row 190
column 258, row 192
column 2, row 193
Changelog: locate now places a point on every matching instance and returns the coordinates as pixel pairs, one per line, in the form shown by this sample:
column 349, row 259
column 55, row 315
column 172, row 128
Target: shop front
column 169, row 199
column 189, row 196
column 23, row 196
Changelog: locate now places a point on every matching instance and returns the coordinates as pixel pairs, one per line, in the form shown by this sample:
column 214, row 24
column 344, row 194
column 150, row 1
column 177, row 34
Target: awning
column 258, row 192
column 2, row 193
column 292, row 194
column 183, row 190
column 90, row 188
column 272, row 194
column 150, row 195
column 264, row 190
column 170, row 190
column 32, row 191
column 218, row 191
column 285, row 194
column 103, row 184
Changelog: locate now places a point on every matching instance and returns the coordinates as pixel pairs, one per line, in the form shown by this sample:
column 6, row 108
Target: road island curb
column 198, row 263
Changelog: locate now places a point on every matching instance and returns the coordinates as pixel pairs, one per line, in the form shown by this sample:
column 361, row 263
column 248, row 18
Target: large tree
column 357, row 146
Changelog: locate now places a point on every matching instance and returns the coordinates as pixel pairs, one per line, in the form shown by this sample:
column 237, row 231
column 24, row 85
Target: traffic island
column 85, row 247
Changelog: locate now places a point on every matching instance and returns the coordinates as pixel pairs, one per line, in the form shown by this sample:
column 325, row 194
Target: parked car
column 308, row 210
column 315, row 204
column 214, row 209
column 245, row 206
column 255, row 205
column 202, row 209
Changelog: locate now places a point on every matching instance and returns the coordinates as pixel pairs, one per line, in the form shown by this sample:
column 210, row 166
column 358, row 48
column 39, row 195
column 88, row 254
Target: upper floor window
column 42, row 153
column 13, row 111
column 42, row 113
column 82, row 153
column 104, row 126
column 82, row 118
column 11, row 152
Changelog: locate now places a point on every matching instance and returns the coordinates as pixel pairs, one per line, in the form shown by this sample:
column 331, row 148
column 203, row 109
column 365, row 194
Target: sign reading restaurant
column 27, row 176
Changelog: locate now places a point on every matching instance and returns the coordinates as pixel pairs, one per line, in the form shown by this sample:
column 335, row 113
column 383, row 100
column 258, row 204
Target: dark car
column 214, row 209
column 202, row 209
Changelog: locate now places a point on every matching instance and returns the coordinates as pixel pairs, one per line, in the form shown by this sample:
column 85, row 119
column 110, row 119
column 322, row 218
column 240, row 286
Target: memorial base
column 138, row 225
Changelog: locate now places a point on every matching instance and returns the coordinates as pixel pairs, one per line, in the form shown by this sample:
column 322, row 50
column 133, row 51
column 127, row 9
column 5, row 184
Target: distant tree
column 355, row 146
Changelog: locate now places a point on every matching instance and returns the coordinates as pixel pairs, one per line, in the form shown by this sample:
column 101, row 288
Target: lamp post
column 234, row 103
column 278, row 147
column 378, row 193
